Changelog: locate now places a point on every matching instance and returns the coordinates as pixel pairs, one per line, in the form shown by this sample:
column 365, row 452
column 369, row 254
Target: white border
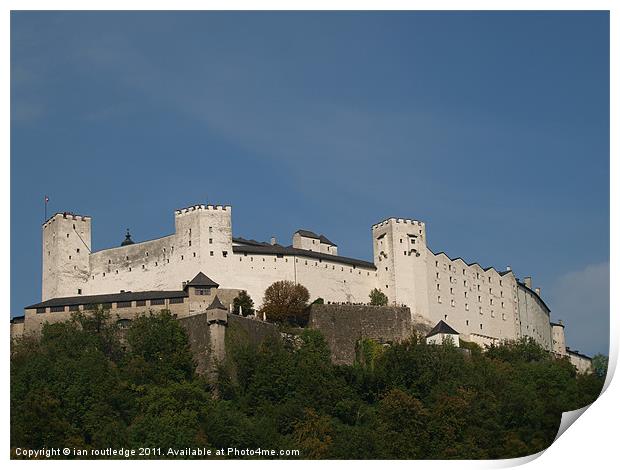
column 589, row 444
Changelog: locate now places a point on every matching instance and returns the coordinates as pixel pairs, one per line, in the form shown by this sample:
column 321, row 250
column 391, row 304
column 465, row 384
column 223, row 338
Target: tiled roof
column 216, row 305
column 201, row 280
column 107, row 298
column 442, row 327
column 290, row 251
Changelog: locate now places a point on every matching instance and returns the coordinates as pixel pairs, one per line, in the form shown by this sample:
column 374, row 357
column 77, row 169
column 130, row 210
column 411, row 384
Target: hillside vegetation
column 78, row 385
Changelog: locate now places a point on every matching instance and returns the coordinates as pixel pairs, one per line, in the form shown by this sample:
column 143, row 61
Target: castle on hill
column 483, row 305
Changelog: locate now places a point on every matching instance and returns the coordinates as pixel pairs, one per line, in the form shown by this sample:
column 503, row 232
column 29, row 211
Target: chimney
column 537, row 290
column 528, row 282
column 508, row 268
column 273, row 240
column 560, row 322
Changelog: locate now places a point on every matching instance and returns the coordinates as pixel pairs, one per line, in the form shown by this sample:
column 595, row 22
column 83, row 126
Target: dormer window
column 202, row 291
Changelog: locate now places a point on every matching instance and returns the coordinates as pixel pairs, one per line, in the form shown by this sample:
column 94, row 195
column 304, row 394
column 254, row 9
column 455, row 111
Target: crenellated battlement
column 398, row 220
column 66, row 215
column 203, row 207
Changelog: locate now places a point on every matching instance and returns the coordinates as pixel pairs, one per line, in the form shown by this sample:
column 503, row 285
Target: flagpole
column 46, row 200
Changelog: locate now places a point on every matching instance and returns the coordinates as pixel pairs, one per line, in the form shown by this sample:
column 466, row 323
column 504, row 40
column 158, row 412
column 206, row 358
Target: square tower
column 66, row 250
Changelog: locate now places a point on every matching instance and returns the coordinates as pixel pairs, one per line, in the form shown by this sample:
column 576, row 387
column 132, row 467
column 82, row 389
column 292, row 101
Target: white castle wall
column 479, row 304
column 558, row 339
column 483, row 306
column 534, row 317
column 66, row 247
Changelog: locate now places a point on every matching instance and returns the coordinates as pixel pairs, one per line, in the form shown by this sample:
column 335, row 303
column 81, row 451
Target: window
column 438, row 287
column 140, row 303
column 452, row 303
column 41, row 310
column 211, row 253
column 210, row 229
column 479, row 299
column 198, row 291
column 190, row 243
column 123, row 304
column 79, row 291
column 480, row 325
column 77, row 250
column 177, row 300
column 57, row 309
column 74, row 308
column 467, row 307
column 465, row 294
column 225, row 254
column 439, row 299
column 123, row 323
column 436, row 264
column 194, row 257
column 107, row 305
column 445, row 317
column 480, row 310
column 451, row 290
column 158, row 301
column 467, row 322
column 405, row 253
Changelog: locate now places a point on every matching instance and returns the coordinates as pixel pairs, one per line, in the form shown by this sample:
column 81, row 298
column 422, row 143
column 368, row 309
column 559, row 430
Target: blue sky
column 493, row 128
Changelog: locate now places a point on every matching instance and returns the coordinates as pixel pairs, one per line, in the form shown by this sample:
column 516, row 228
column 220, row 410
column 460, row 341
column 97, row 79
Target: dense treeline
column 79, row 386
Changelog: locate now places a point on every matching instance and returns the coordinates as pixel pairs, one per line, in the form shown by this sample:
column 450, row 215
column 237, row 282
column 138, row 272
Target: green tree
column 285, row 301
column 158, row 350
column 243, row 304
column 377, row 297
column 600, row 363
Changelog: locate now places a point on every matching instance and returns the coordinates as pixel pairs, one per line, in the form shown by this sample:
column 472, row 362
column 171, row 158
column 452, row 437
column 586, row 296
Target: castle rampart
column 483, row 304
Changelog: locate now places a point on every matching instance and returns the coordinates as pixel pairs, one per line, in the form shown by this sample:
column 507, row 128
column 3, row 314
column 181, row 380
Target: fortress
column 483, row 305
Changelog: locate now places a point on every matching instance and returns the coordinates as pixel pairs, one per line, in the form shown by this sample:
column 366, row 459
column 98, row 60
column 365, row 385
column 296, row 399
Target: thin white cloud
column 581, row 299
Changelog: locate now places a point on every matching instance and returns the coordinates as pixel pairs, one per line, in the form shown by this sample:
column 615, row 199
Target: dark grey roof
column 107, row 298
column 307, row 233
column 201, row 280
column 577, row 353
column 556, row 324
column 290, row 251
column 535, row 294
column 18, row 319
column 245, row 241
column 501, row 273
column 216, row 305
column 442, row 327
column 127, row 240
column 325, row 240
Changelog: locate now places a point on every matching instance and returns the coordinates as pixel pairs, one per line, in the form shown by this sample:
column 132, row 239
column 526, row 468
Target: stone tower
column 66, row 249
column 400, row 253
column 557, row 338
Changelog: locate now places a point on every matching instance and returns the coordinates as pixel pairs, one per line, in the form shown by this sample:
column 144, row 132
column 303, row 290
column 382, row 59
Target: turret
column 208, row 228
column 66, row 249
column 400, row 253
column 558, row 338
